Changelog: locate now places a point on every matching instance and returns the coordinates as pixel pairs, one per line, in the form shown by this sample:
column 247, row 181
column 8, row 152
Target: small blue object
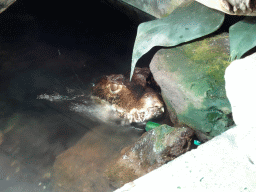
column 196, row 142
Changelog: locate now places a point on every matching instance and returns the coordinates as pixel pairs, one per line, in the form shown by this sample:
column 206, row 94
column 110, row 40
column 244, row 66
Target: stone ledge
column 219, row 164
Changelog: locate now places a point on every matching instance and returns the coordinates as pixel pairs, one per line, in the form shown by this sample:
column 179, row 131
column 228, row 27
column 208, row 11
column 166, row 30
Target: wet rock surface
column 153, row 149
column 81, row 167
column 191, row 77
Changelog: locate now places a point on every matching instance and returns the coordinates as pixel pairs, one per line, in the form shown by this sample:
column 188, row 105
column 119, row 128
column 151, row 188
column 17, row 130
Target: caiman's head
column 136, row 101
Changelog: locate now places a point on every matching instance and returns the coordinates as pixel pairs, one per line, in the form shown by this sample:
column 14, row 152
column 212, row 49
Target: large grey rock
column 191, row 78
column 152, row 150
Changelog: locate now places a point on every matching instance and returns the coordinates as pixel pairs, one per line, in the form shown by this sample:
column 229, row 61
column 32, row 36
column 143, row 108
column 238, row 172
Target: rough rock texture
column 135, row 101
column 191, row 78
column 217, row 165
column 152, row 150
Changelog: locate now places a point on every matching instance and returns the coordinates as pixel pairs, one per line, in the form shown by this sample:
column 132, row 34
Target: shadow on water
column 45, row 49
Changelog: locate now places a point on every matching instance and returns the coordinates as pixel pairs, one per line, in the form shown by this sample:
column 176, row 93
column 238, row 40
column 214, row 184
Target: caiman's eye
column 115, row 88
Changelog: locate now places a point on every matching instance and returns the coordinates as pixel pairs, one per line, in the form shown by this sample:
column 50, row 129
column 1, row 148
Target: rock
column 81, row 167
column 232, row 7
column 240, row 87
column 134, row 101
column 5, row 4
column 158, row 9
column 192, row 83
column 240, row 82
column 214, row 166
column 152, row 150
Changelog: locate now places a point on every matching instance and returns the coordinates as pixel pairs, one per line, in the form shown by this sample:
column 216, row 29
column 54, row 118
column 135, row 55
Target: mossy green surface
column 161, row 133
column 211, row 58
column 200, row 66
column 197, row 69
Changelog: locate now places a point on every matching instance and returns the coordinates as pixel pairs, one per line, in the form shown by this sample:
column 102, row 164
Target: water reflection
column 47, row 55
column 36, row 131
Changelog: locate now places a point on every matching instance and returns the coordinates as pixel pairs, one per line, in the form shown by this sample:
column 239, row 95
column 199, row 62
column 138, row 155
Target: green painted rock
column 191, row 78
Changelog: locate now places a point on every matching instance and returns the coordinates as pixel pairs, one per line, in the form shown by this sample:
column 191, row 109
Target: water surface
column 47, row 49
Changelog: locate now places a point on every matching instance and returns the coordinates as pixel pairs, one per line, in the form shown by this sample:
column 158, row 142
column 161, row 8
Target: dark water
column 46, row 48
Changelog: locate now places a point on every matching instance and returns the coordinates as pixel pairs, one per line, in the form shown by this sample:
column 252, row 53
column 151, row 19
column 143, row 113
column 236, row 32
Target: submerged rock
column 152, row 150
column 81, row 167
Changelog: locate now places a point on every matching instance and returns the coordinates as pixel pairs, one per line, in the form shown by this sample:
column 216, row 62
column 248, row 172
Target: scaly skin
column 134, row 101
